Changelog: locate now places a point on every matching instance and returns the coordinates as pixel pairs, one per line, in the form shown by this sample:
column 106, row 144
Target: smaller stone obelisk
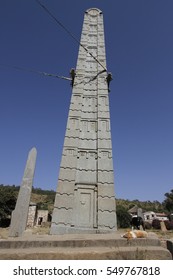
column 20, row 213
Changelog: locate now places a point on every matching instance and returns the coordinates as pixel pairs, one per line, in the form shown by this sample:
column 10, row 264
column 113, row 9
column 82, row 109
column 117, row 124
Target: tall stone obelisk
column 20, row 213
column 85, row 198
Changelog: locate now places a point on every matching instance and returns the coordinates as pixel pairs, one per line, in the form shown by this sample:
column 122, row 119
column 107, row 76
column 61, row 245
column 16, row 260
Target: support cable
column 58, row 76
column 38, row 72
column 59, row 23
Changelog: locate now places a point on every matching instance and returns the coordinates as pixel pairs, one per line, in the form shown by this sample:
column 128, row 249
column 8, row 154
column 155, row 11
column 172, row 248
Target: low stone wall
column 84, row 246
column 170, row 246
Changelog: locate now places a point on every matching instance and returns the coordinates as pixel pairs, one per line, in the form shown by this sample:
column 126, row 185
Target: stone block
column 87, row 144
column 69, row 161
column 102, row 113
column 67, row 174
column 86, row 176
column 64, row 201
column 87, row 164
column 71, row 141
column 65, row 187
column 106, row 190
column 72, row 133
column 88, row 115
column 105, row 164
column 106, row 204
column 106, row 177
column 62, row 216
column 107, row 220
column 102, row 144
column 75, row 112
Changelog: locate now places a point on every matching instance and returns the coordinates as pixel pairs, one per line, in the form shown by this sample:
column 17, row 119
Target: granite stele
column 85, row 198
column 20, row 213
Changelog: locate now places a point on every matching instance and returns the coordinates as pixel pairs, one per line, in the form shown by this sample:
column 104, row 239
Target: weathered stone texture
column 31, row 215
column 86, row 166
column 20, row 214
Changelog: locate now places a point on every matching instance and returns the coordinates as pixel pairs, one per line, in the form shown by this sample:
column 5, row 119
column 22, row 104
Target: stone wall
column 42, row 217
column 31, row 215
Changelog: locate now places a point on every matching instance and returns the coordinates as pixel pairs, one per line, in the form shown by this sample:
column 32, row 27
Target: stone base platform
column 82, row 247
column 169, row 244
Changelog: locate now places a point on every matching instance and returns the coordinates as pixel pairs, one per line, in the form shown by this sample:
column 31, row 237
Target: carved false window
column 92, row 155
column 83, row 154
column 73, row 123
column 84, row 125
column 103, row 100
column 92, row 126
column 104, row 154
column 76, row 98
column 104, row 125
column 69, row 152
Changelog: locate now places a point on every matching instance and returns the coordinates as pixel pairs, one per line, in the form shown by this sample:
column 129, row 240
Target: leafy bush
column 7, row 204
column 123, row 218
column 156, row 224
column 170, row 216
column 147, row 225
column 168, row 202
column 169, row 225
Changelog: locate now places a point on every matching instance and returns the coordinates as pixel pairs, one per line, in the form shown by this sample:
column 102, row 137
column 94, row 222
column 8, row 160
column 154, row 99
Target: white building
column 150, row 216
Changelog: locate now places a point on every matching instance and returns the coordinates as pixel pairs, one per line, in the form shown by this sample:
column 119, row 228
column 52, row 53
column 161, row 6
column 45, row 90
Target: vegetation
column 123, row 218
column 168, row 202
column 45, row 200
column 155, row 206
column 156, row 224
column 8, row 197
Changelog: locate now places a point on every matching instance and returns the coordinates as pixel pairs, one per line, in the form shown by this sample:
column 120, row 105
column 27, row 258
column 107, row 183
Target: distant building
column 133, row 211
column 136, row 211
column 162, row 216
column 37, row 217
column 31, row 214
column 150, row 216
column 42, row 217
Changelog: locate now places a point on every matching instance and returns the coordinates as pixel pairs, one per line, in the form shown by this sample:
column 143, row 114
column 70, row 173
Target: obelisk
column 20, row 213
column 85, row 197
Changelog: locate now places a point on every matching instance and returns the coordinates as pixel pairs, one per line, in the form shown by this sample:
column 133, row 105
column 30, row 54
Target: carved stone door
column 85, row 208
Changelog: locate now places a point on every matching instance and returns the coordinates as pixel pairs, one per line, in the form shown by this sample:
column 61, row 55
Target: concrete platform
column 83, row 247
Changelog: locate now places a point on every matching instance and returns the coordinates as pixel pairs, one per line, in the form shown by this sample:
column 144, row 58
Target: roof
column 134, row 209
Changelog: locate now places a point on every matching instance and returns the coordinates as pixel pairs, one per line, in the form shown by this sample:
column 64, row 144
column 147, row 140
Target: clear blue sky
column 34, row 109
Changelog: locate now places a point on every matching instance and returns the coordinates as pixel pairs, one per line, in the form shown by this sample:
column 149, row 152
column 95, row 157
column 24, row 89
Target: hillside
column 45, row 199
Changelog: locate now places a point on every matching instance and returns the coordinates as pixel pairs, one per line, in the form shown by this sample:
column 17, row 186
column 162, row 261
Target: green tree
column 168, row 202
column 7, row 202
column 123, row 217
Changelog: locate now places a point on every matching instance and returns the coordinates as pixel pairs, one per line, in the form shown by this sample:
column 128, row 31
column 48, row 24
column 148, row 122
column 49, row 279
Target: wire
column 38, row 72
column 54, row 75
column 59, row 23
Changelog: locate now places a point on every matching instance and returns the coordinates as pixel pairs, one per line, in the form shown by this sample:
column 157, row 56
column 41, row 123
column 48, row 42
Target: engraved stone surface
column 85, row 198
column 20, row 213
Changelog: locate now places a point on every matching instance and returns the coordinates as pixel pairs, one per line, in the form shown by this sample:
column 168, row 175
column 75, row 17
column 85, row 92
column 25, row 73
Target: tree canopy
column 45, row 200
column 8, row 199
column 168, row 202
